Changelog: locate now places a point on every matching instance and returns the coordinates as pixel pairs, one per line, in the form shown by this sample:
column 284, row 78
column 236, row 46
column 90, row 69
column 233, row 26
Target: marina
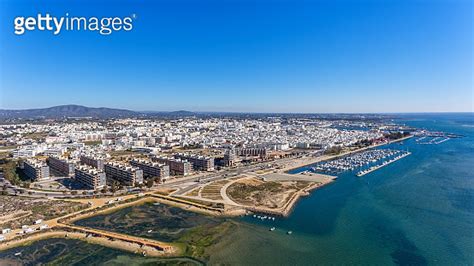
column 366, row 161
column 432, row 140
column 385, row 163
column 436, row 137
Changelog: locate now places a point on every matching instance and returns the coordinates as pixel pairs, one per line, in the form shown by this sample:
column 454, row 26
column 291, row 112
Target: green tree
column 149, row 183
column 113, row 187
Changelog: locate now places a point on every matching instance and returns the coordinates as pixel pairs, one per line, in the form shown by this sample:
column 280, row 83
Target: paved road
column 183, row 184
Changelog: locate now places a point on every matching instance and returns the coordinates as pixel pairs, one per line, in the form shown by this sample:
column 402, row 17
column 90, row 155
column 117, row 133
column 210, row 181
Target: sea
column 416, row 211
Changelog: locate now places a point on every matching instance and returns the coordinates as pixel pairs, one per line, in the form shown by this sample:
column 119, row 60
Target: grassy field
column 269, row 194
column 18, row 211
column 213, row 190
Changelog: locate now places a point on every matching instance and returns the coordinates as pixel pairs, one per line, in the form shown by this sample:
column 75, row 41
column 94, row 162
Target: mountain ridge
column 74, row 110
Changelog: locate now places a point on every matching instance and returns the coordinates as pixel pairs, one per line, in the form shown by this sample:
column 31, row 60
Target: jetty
column 376, row 167
column 354, row 161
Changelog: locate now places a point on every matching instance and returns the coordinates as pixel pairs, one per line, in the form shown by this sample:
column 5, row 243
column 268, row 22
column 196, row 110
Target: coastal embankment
column 128, row 246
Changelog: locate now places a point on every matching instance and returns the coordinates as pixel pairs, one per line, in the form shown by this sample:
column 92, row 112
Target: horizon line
column 239, row 112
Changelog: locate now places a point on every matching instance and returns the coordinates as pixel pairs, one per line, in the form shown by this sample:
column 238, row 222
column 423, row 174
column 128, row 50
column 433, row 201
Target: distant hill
column 64, row 111
column 172, row 114
column 182, row 113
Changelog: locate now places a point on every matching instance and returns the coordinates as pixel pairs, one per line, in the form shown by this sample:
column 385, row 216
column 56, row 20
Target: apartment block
column 90, row 177
column 262, row 152
column 229, row 157
column 200, row 163
column 36, row 170
column 96, row 162
column 60, row 166
column 177, row 166
column 126, row 175
column 152, row 169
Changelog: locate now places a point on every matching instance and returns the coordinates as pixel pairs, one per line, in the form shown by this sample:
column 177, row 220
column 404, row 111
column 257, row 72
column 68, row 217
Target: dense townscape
column 175, row 147
column 220, row 165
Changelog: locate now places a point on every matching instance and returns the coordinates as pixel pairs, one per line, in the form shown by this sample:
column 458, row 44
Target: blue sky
column 248, row 56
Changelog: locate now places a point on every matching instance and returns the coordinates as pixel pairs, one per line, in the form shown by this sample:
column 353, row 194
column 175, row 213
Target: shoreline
column 109, row 238
column 288, row 207
column 66, row 222
column 331, row 157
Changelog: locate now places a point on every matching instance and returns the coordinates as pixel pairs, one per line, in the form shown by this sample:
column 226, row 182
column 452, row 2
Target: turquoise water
column 416, row 211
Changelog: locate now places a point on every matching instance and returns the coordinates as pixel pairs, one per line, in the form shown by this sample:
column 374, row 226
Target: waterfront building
column 177, row 166
column 200, row 163
column 152, row 169
column 35, row 169
column 60, row 166
column 126, row 175
column 90, row 177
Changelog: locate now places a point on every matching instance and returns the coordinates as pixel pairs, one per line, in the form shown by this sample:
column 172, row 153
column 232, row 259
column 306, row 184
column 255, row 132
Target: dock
column 374, row 168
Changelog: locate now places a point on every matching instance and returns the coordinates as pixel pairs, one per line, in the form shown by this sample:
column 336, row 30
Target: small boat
column 289, row 232
column 149, row 231
column 156, row 203
column 254, row 216
column 272, row 229
column 18, row 254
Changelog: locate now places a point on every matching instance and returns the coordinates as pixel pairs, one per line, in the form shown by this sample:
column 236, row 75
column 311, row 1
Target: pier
column 374, row 168
column 355, row 161
column 430, row 138
column 435, row 140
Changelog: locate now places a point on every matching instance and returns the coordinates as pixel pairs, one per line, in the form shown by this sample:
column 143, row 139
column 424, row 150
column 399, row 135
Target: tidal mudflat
column 60, row 251
column 196, row 234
